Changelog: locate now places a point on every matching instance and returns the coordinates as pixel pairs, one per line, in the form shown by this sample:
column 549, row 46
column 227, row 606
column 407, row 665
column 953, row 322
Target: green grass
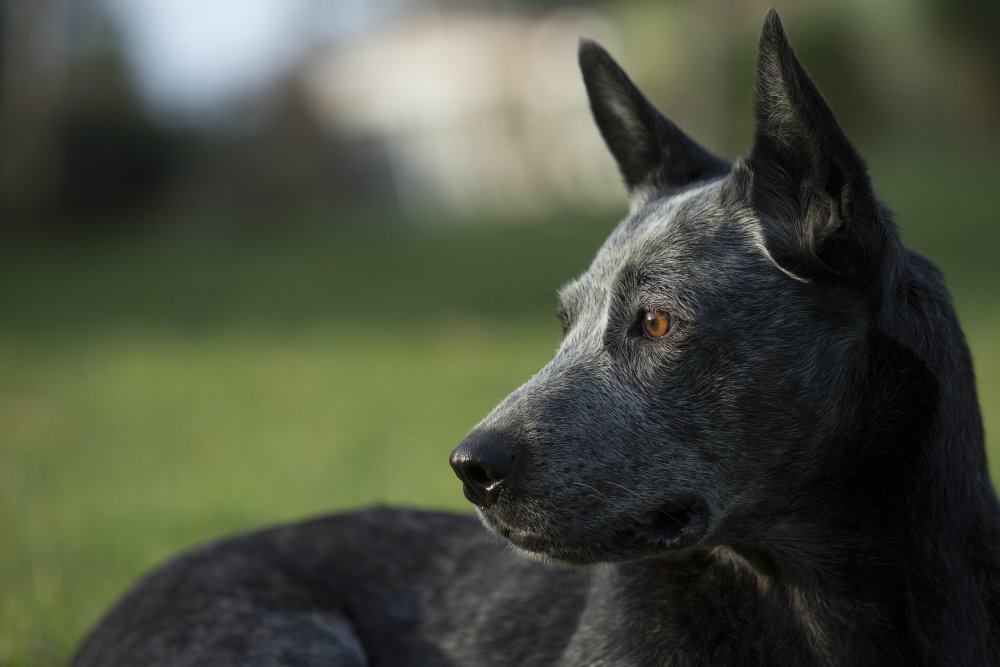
column 158, row 392
column 124, row 448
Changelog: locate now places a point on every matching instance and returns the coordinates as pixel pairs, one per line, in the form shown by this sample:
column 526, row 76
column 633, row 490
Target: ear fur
column 821, row 216
column 649, row 148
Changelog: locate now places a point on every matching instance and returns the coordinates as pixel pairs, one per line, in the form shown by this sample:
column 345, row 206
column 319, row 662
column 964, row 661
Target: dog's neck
column 892, row 562
column 887, row 555
column 894, row 555
column 918, row 583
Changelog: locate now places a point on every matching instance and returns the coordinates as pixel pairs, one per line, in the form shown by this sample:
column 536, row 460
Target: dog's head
column 714, row 349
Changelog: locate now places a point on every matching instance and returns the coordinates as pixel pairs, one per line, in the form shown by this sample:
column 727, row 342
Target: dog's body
column 762, row 417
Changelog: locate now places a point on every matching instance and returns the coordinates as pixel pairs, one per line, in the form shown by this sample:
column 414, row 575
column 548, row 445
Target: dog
column 758, row 443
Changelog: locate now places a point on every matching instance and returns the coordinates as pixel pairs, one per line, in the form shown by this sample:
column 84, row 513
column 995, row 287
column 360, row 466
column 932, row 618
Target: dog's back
column 391, row 587
column 759, row 441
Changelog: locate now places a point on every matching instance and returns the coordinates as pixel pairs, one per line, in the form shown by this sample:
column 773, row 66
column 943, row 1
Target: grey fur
column 809, row 423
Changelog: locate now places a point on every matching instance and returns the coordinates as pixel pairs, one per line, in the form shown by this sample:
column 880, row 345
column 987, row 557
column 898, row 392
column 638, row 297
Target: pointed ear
column 649, row 149
column 821, row 216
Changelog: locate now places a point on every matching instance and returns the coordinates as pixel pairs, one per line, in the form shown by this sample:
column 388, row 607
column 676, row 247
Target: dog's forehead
column 668, row 234
column 666, row 225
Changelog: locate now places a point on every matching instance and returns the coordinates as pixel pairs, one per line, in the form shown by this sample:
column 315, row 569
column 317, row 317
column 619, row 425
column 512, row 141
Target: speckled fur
column 814, row 395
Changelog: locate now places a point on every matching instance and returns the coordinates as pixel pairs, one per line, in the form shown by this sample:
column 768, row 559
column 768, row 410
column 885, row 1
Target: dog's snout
column 483, row 460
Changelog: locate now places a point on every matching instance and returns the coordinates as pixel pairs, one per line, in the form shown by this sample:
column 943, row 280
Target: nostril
column 477, row 475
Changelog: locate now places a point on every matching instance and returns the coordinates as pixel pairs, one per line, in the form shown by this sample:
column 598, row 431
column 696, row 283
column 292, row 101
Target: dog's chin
column 664, row 531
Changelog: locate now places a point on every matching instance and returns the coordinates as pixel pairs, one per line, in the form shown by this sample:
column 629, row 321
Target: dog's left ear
column 821, row 217
column 650, row 150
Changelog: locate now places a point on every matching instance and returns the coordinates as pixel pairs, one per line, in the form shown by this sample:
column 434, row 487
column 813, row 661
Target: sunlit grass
column 120, row 450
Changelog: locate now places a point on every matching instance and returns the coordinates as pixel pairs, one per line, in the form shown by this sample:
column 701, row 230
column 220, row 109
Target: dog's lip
column 672, row 526
column 537, row 542
column 540, row 542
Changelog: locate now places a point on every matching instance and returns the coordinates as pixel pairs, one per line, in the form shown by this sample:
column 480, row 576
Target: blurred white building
column 475, row 110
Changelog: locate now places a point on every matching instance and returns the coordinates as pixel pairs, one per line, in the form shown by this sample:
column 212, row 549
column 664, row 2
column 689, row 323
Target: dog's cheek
column 703, row 425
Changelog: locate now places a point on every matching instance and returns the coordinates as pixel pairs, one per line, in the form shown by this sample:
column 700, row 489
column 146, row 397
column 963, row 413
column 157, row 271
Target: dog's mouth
column 668, row 528
column 673, row 525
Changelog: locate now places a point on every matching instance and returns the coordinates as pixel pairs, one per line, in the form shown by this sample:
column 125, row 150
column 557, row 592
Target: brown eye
column 655, row 324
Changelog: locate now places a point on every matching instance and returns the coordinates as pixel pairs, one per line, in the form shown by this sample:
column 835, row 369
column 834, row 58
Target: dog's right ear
column 649, row 148
column 821, row 216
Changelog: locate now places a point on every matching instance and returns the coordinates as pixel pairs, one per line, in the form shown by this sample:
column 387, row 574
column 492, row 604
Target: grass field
column 162, row 391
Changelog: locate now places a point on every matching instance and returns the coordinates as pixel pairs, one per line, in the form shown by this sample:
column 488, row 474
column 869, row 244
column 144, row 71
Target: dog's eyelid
column 644, row 280
column 665, row 303
column 669, row 299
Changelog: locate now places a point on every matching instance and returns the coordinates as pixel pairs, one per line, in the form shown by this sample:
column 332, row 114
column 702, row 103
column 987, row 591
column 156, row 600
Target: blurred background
column 263, row 259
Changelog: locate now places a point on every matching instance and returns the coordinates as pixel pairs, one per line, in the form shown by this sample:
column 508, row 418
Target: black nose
column 482, row 461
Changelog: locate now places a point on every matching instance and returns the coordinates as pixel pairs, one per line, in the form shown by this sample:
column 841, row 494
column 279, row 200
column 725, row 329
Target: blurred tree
column 77, row 148
column 976, row 19
column 115, row 161
column 974, row 27
column 31, row 77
